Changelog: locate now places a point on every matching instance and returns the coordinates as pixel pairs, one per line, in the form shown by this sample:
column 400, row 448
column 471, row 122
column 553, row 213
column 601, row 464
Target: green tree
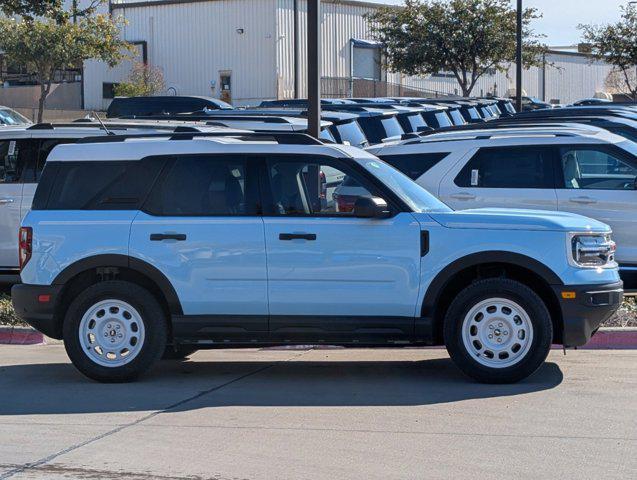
column 45, row 46
column 143, row 81
column 465, row 37
column 617, row 44
column 28, row 9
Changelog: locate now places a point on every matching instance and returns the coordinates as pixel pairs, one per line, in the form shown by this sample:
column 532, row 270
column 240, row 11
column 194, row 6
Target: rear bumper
column 35, row 304
column 583, row 314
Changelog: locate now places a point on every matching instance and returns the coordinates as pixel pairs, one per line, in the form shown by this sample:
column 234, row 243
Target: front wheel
column 498, row 331
column 114, row 331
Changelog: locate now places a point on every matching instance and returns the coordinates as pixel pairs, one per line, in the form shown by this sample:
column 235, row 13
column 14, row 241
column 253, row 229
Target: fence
column 343, row 87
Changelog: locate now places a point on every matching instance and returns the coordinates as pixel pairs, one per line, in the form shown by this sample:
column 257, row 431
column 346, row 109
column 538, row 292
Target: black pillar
column 295, row 42
column 518, row 60
column 314, row 67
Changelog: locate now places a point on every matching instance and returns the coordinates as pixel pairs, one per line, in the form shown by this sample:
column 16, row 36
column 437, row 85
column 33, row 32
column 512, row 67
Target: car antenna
column 104, row 127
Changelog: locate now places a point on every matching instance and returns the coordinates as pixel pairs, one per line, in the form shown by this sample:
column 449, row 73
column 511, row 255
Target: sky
column 561, row 17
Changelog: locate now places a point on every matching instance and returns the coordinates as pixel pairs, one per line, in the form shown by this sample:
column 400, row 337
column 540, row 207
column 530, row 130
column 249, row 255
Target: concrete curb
column 20, row 336
column 611, row 338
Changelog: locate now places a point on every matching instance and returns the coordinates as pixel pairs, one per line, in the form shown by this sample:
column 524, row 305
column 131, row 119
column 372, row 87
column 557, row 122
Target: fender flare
column 124, row 261
column 443, row 278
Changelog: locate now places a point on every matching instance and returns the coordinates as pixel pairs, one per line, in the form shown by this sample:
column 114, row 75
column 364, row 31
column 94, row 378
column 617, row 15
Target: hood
column 518, row 219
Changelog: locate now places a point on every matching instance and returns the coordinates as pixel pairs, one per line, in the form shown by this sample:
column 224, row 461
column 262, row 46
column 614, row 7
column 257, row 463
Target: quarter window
column 595, row 169
column 508, row 167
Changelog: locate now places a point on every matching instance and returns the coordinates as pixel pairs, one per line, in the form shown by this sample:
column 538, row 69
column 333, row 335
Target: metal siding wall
column 341, row 22
column 192, row 42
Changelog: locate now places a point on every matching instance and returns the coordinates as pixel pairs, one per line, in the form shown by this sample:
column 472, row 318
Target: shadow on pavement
column 59, row 389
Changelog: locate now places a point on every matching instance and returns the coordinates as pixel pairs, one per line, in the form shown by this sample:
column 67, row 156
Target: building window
column 108, row 89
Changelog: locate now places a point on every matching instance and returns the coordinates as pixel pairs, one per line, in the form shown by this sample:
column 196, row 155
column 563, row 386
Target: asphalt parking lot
column 318, row 414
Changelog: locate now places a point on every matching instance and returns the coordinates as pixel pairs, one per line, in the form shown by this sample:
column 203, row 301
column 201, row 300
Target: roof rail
column 487, row 136
column 283, row 138
column 41, row 126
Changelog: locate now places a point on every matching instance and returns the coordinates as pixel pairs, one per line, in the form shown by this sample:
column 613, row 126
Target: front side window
column 591, row 168
column 15, row 158
column 313, row 187
column 508, row 167
column 204, row 185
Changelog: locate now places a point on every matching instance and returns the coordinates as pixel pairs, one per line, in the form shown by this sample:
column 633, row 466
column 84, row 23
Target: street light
column 518, row 60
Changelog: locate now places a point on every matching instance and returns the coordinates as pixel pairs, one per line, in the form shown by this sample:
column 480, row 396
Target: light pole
column 314, row 67
column 518, row 59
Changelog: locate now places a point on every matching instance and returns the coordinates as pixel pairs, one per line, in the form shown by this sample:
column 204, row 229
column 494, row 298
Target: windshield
column 11, row 117
column 443, row 119
column 457, row 117
column 473, row 113
column 327, row 135
column 629, row 146
column 416, row 197
column 392, row 127
column 351, row 132
column 416, row 120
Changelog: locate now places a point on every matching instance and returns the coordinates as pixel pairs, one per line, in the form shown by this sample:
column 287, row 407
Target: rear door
column 598, row 181
column 15, row 157
column 507, row 177
column 200, row 227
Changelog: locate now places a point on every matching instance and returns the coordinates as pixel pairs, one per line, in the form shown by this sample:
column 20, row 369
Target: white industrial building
column 244, row 50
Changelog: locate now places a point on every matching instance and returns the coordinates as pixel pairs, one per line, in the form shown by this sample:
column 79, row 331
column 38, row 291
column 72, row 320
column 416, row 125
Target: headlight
column 592, row 250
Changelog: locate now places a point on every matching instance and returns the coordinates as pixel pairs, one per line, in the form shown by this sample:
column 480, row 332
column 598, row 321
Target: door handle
column 582, row 200
column 463, row 196
column 6, row 200
column 158, row 237
column 297, row 236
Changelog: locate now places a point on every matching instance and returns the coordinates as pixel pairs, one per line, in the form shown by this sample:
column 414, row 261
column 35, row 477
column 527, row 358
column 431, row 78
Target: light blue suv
column 140, row 247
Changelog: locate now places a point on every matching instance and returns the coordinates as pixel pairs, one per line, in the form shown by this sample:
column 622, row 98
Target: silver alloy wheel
column 112, row 333
column 497, row 333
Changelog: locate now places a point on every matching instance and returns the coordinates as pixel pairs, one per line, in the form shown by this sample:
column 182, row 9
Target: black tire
column 507, row 289
column 177, row 352
column 152, row 316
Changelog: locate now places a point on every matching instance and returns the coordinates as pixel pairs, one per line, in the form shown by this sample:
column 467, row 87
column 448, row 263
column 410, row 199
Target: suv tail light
column 25, row 242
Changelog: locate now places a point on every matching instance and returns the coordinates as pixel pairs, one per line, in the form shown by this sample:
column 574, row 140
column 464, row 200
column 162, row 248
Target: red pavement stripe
column 614, row 338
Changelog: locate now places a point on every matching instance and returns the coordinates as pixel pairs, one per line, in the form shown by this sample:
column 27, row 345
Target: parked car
column 579, row 169
column 590, row 101
column 9, row 116
column 23, row 153
column 133, row 247
column 162, row 105
column 533, row 103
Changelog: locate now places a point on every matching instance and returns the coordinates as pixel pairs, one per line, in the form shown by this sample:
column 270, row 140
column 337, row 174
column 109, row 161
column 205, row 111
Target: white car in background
column 572, row 168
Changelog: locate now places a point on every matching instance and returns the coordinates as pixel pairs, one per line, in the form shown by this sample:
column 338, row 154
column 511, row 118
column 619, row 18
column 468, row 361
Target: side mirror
column 371, row 207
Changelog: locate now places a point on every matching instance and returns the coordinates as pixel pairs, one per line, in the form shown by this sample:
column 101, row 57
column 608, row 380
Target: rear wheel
column 114, row 331
column 498, row 331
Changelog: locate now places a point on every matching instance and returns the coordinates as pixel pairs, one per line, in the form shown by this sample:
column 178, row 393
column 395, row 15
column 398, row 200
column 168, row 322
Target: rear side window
column 204, row 185
column 414, row 165
column 509, row 167
column 97, row 185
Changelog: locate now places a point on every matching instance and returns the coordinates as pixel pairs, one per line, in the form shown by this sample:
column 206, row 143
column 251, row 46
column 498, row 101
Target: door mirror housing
column 371, row 207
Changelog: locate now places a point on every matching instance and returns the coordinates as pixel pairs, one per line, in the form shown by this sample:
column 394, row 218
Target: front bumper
column 587, row 309
column 35, row 304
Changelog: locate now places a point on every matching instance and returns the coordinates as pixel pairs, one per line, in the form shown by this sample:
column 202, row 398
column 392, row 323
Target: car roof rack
column 41, row 126
column 487, row 136
column 184, row 133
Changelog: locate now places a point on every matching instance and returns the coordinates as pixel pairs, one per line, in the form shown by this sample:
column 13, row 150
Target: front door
column 332, row 276
column 200, row 228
